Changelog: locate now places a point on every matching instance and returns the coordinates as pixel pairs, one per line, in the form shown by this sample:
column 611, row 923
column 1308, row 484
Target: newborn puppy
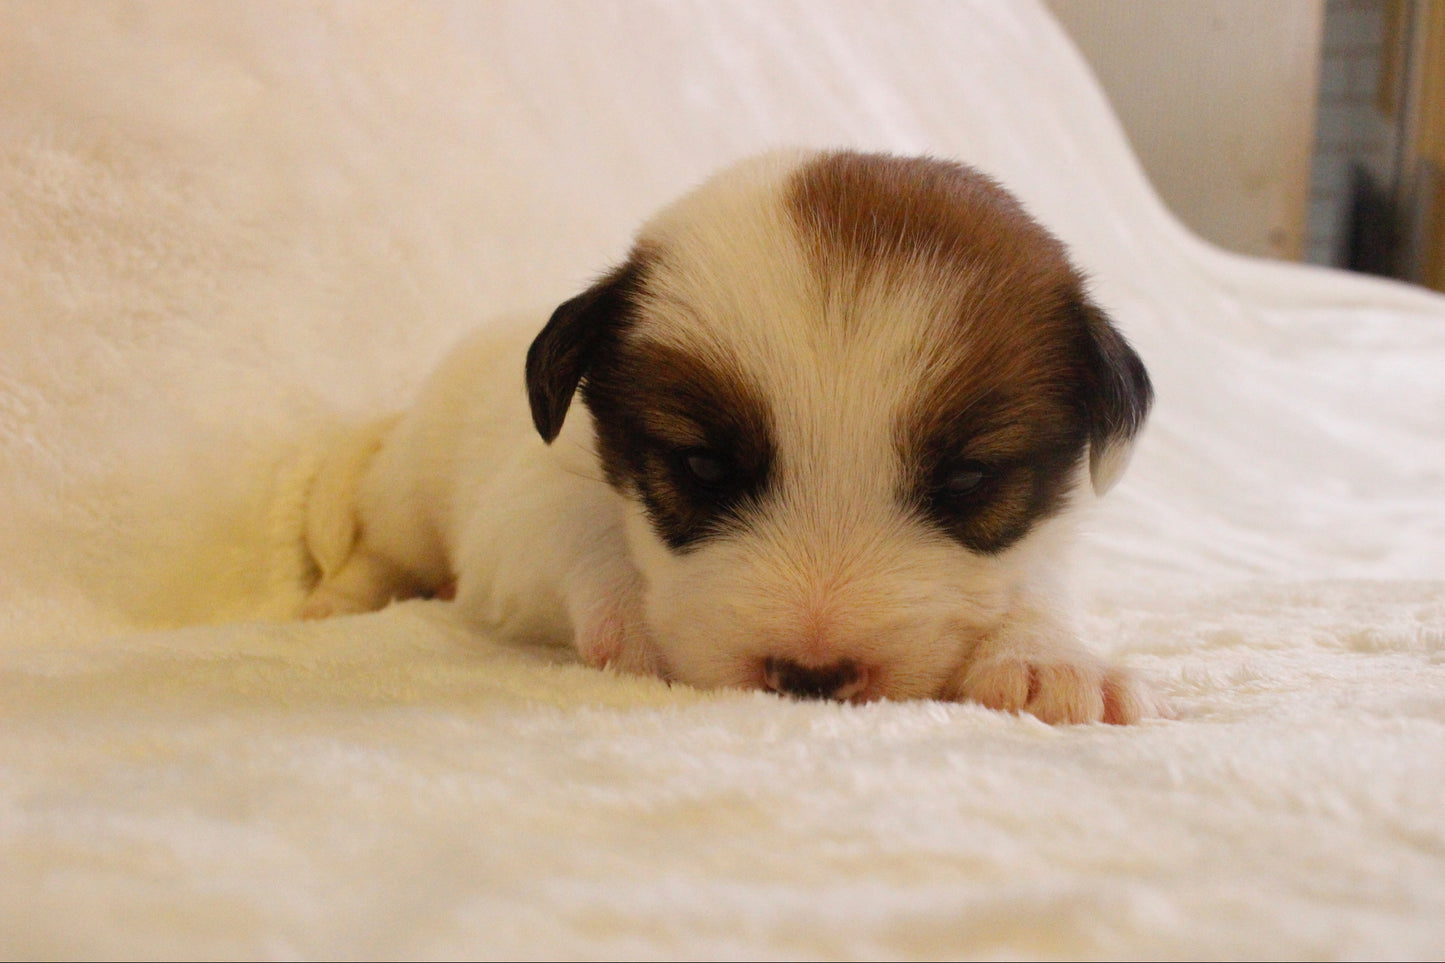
column 842, row 410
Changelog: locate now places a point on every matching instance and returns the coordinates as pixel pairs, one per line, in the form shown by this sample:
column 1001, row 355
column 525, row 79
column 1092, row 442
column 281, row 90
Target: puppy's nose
column 841, row 680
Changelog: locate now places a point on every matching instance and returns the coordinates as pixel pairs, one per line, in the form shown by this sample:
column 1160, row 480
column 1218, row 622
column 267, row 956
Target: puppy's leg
column 570, row 577
column 1036, row 664
column 604, row 600
column 365, row 581
column 354, row 578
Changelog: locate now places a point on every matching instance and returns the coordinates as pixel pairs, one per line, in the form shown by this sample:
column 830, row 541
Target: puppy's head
column 850, row 398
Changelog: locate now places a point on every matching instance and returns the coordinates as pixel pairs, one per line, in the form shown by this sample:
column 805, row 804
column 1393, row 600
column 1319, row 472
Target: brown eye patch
column 986, row 503
column 692, row 439
column 1006, row 402
column 986, row 465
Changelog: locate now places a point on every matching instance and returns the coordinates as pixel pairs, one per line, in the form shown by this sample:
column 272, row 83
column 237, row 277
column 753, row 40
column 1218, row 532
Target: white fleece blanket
column 226, row 229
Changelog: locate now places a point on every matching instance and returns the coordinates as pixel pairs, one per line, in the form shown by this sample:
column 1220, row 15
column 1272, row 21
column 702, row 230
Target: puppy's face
column 850, row 398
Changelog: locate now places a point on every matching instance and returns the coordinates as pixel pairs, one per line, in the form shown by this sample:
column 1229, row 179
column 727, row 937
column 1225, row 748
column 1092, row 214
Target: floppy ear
column 1119, row 397
column 564, row 352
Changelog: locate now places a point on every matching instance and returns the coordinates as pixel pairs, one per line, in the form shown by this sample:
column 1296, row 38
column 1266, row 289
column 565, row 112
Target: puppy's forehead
column 725, row 264
column 829, row 250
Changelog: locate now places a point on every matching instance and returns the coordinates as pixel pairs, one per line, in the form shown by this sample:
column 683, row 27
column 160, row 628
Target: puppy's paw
column 609, row 628
column 1059, row 684
column 615, row 637
column 325, row 601
column 365, row 582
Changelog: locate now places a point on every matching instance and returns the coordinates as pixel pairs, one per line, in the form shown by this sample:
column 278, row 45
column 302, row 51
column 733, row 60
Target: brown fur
column 653, row 407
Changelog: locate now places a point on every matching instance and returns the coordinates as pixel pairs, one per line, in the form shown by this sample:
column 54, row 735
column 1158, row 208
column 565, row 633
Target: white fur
column 830, row 569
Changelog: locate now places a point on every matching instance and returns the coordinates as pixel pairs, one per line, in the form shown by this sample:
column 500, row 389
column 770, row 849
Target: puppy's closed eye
column 959, row 486
column 712, row 475
column 710, row 471
column 693, row 492
column 987, row 506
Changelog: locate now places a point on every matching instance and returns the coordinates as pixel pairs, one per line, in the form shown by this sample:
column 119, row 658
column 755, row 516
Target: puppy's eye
column 963, row 479
column 708, row 468
column 958, row 485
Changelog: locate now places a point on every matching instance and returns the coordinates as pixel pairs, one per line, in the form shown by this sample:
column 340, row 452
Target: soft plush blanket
column 227, row 231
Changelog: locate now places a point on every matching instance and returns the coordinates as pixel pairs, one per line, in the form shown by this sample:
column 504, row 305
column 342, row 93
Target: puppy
column 842, row 410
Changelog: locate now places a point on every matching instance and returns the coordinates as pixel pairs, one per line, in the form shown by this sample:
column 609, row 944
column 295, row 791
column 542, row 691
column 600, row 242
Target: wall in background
column 1311, row 129
column 1218, row 98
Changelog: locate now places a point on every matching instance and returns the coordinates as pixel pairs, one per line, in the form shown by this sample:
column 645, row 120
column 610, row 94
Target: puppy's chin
column 896, row 619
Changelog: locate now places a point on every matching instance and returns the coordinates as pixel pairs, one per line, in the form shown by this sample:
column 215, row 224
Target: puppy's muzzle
column 842, row 680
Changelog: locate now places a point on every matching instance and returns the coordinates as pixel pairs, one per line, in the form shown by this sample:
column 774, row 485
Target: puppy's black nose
column 841, row 680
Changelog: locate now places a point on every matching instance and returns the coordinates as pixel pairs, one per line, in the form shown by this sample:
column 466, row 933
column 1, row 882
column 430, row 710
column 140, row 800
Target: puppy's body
column 841, row 409
column 461, row 494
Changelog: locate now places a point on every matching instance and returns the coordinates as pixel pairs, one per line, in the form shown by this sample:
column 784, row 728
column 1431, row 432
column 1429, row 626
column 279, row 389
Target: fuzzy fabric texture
column 229, row 231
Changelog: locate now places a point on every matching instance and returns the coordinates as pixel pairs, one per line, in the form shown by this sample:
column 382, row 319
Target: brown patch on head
column 1021, row 372
column 691, row 438
column 860, row 215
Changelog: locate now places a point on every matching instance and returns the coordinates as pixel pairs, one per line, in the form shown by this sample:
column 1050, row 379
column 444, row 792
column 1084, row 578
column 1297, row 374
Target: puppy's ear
column 1119, row 397
column 566, row 349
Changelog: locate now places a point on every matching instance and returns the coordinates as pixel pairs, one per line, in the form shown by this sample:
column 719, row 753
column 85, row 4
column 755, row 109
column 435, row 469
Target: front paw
column 613, row 635
column 1059, row 687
